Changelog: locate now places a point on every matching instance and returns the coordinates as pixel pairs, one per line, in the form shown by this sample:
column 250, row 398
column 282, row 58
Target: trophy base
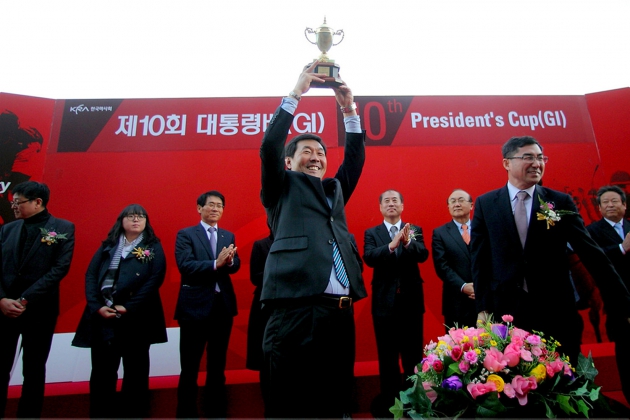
column 329, row 72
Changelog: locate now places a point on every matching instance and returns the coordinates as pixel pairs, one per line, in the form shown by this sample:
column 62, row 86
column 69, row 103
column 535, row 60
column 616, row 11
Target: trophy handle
column 339, row 32
column 310, row 31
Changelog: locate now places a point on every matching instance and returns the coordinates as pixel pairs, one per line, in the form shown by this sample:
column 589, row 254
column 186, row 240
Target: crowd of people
column 308, row 276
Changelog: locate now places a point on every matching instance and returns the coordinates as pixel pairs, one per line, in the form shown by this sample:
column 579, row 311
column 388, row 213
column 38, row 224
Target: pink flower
column 512, row 354
column 494, row 360
column 431, row 394
column 147, row 252
column 521, row 387
column 470, row 356
column 533, row 339
column 517, row 332
column 426, row 366
column 507, row 318
column 53, row 234
column 550, row 206
column 438, row 366
column 518, row 341
column 479, row 389
column 554, row 367
column 509, row 391
column 536, row 351
column 526, row 355
column 456, row 353
column 464, row 366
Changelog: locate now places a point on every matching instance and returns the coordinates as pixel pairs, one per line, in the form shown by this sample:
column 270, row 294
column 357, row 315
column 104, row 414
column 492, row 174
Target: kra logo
column 79, row 108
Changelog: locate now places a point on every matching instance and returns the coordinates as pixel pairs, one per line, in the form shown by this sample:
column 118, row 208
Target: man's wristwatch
column 348, row 109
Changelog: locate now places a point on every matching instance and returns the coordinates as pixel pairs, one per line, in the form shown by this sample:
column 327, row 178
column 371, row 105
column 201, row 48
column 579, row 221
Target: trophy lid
column 324, row 28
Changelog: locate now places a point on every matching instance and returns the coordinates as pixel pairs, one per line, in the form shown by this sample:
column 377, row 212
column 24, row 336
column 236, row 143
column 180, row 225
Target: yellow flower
column 498, row 381
column 539, row 372
column 478, row 351
column 465, row 339
column 493, row 343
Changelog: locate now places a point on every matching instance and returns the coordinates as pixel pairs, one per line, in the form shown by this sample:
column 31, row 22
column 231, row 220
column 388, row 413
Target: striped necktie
column 340, row 270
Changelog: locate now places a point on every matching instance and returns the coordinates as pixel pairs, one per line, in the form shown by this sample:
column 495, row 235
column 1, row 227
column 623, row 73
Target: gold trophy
column 324, row 35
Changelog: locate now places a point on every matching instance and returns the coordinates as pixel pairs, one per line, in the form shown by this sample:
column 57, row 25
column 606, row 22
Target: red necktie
column 466, row 234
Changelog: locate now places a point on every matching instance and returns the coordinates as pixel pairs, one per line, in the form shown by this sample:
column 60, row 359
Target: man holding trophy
column 313, row 273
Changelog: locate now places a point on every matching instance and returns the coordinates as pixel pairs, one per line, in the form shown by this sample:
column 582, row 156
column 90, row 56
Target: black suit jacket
column 451, row 258
column 196, row 266
column 499, row 263
column 137, row 289
column 608, row 239
column 303, row 224
column 37, row 278
column 393, row 270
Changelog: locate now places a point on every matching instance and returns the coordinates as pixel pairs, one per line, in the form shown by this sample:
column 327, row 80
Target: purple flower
column 453, row 383
column 500, row 330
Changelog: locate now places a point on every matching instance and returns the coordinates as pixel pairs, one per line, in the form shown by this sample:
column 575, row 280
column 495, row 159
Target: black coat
column 137, row 289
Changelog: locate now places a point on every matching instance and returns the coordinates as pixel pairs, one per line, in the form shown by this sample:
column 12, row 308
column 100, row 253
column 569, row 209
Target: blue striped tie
column 340, row 270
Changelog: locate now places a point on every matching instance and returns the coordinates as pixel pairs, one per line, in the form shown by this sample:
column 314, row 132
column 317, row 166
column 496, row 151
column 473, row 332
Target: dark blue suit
column 617, row 328
column 451, row 258
column 205, row 317
column 499, row 265
column 36, row 279
column 397, row 305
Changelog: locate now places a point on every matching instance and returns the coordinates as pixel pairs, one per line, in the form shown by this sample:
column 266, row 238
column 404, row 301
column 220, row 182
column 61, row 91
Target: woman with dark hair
column 124, row 314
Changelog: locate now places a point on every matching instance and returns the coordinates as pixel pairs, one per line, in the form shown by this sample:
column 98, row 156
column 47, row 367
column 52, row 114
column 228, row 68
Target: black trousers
column 135, row 387
column 310, row 352
column 399, row 336
column 213, row 335
column 37, row 332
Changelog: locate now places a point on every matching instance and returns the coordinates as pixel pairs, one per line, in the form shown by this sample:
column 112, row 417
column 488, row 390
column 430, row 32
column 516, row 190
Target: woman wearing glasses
column 124, row 314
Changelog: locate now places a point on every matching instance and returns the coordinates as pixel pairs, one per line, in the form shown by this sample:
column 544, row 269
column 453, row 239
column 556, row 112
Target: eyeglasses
column 132, row 217
column 614, row 202
column 17, row 203
column 218, row 206
column 460, row 200
column 531, row 158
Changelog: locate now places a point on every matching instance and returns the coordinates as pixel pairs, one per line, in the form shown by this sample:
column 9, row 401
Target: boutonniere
column 144, row 255
column 50, row 237
column 550, row 215
column 413, row 233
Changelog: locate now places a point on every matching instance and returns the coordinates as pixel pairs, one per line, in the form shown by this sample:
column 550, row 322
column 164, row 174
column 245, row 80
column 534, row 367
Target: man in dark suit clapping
column 519, row 252
column 36, row 251
column 612, row 233
column 206, row 256
column 451, row 258
column 394, row 249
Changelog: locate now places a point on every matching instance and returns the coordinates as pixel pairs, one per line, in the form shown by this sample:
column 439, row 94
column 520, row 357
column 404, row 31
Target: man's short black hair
column 32, row 190
column 610, row 188
column 512, row 145
column 380, row 197
column 291, row 147
column 201, row 201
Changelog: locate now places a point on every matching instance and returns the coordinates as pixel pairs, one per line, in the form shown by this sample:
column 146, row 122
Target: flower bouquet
column 498, row 370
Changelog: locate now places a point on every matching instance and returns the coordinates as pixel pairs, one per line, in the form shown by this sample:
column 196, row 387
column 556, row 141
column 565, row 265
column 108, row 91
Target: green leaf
column 397, row 409
column 585, row 367
column 582, row 408
column 489, row 406
column 595, row 393
column 453, row 369
column 548, row 411
column 565, row 404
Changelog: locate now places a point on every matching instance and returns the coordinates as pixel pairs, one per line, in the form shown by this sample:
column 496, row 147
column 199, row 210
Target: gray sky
column 209, row 48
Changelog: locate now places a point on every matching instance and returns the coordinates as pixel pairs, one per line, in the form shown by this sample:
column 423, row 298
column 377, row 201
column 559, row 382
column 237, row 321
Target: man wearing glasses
column 519, row 252
column 206, row 256
column 36, row 251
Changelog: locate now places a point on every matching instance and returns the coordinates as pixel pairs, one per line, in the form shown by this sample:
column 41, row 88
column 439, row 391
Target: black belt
column 333, row 301
column 330, row 301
